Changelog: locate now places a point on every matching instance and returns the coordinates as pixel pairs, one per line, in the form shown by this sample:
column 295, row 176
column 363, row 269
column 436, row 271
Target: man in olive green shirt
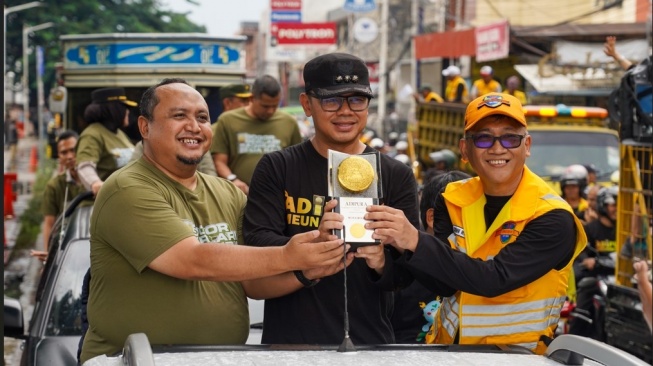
column 165, row 253
column 60, row 190
column 243, row 135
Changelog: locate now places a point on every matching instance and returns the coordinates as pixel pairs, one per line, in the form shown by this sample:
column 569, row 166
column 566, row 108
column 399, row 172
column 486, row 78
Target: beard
column 189, row 161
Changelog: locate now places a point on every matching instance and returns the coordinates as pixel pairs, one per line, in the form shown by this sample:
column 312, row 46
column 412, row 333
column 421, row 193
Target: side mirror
column 14, row 325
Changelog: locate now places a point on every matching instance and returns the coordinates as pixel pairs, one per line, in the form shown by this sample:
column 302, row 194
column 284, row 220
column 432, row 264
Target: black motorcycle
column 588, row 317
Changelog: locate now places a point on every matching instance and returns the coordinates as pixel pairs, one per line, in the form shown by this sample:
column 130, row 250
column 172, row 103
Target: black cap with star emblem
column 336, row 74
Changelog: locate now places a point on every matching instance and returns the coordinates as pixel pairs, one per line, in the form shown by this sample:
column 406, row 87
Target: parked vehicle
column 563, row 323
column 136, row 61
column 55, row 327
column 592, row 320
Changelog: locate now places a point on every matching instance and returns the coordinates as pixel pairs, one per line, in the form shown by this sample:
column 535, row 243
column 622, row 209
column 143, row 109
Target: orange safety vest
column 521, row 316
column 433, row 97
column 452, row 88
column 519, row 95
column 485, row 88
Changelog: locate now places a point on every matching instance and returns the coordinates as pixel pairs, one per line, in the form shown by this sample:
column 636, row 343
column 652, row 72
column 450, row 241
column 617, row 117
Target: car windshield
column 65, row 317
column 553, row 151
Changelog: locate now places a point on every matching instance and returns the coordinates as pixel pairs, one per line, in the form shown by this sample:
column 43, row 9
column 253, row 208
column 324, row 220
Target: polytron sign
column 304, row 33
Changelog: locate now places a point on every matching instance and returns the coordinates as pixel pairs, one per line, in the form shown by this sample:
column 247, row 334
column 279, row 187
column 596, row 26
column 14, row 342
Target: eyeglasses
column 356, row 103
column 486, row 141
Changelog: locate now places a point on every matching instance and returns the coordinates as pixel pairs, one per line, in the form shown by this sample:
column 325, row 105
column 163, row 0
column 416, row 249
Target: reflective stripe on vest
column 488, row 320
column 520, row 316
column 454, row 242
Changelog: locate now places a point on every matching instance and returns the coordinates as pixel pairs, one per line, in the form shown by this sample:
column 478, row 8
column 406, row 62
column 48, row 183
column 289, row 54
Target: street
column 22, row 272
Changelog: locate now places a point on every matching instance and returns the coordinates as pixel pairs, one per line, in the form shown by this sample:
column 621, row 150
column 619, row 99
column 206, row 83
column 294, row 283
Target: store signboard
column 286, row 17
column 286, row 5
column 359, row 6
column 284, row 34
column 492, row 41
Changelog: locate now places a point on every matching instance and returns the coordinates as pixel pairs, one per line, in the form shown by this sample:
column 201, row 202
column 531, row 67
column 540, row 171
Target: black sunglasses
column 356, row 103
column 485, row 140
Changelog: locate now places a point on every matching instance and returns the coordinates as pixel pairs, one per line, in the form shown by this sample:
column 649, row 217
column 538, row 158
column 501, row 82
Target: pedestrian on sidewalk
column 11, row 138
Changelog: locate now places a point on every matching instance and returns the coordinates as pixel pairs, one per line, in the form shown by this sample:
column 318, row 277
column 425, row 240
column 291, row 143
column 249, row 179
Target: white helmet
column 614, row 177
column 377, row 143
column 575, row 174
column 401, row 145
column 403, row 158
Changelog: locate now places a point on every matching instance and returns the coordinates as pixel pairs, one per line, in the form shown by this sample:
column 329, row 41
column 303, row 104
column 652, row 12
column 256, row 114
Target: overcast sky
column 220, row 17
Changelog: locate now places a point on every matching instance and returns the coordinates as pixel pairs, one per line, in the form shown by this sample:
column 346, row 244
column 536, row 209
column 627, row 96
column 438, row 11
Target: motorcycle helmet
column 614, row 177
column 377, row 143
column 445, row 155
column 575, row 174
column 607, row 196
column 401, row 146
column 403, row 158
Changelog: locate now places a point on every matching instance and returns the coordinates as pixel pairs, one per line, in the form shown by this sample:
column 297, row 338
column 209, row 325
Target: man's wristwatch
column 232, row 177
column 305, row 281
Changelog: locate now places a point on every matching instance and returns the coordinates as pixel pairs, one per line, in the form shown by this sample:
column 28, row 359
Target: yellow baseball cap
column 494, row 103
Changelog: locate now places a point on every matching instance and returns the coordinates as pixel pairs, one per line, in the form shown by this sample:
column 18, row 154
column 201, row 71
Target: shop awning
column 446, row 44
column 554, row 83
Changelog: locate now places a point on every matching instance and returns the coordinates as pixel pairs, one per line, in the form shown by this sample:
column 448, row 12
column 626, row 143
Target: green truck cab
column 136, row 61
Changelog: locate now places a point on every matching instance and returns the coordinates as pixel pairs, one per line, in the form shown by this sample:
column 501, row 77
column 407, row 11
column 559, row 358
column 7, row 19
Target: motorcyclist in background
column 596, row 260
column 444, row 160
column 572, row 186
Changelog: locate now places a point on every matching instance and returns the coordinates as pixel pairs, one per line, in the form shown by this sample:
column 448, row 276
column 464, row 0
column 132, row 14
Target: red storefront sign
column 286, row 5
column 304, row 33
column 492, row 41
column 373, row 68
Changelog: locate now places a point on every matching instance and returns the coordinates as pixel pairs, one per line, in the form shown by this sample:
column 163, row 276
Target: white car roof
column 565, row 349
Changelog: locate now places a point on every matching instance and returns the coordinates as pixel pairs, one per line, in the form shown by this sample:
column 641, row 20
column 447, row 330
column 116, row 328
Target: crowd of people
column 457, row 90
column 213, row 213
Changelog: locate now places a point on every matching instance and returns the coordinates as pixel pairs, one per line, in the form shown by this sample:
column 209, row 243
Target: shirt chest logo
column 507, row 231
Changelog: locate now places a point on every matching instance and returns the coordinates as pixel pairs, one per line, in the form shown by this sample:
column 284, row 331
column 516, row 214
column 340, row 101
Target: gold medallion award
column 355, row 174
column 357, row 230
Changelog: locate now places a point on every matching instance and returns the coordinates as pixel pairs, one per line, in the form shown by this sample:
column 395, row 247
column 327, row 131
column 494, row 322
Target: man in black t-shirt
column 288, row 195
column 595, row 261
column 411, row 315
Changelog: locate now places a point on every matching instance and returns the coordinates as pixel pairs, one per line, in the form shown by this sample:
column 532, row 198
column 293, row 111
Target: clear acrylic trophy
column 354, row 180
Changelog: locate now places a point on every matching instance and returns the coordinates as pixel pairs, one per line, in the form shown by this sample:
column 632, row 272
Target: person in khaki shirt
column 103, row 147
column 60, row 190
column 242, row 136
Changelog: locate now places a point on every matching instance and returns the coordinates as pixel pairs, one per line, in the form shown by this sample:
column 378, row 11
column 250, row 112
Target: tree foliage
column 84, row 17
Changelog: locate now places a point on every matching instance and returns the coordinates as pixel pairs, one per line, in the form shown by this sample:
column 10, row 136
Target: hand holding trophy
column 354, row 181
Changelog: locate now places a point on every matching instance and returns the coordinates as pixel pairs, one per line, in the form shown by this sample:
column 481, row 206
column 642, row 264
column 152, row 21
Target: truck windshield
column 553, row 151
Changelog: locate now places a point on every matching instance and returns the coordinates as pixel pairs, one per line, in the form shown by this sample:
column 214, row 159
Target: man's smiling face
column 499, row 168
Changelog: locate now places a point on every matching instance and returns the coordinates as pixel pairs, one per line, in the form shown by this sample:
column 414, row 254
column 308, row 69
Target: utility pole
column 383, row 72
column 414, row 64
column 26, row 31
column 9, row 10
